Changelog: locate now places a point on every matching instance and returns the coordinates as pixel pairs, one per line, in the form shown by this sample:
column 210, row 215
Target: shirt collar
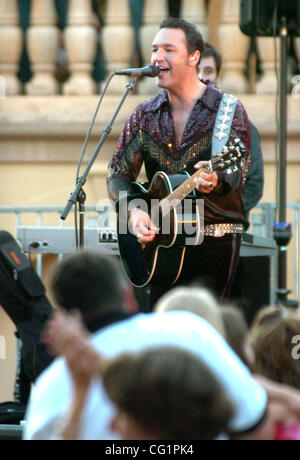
column 211, row 99
column 156, row 102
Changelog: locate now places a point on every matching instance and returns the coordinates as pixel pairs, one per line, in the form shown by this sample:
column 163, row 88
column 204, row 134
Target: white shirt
column 52, row 394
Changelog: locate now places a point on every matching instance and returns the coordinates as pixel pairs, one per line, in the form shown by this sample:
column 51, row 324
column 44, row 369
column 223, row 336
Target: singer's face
column 169, row 52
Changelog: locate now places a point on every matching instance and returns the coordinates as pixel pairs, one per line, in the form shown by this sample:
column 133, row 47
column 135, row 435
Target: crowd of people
column 190, row 369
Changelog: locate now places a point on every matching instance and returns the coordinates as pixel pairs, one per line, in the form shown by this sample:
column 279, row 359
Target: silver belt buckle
column 218, row 232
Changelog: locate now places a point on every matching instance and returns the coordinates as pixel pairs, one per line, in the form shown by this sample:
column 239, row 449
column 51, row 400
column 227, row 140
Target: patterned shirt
column 149, row 137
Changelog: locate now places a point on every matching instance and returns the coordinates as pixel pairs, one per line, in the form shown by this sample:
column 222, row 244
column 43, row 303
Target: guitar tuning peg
column 222, row 165
column 228, row 162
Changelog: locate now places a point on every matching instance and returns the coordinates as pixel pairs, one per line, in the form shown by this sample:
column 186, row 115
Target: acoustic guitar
column 172, row 205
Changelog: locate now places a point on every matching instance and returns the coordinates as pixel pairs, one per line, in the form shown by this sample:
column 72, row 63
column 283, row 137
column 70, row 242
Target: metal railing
column 262, row 220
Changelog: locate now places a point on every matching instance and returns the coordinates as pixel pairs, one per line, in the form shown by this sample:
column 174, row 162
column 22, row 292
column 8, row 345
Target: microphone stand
column 78, row 194
column 282, row 228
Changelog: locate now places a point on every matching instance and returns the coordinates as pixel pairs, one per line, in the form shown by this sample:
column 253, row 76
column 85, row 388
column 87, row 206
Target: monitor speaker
column 252, row 286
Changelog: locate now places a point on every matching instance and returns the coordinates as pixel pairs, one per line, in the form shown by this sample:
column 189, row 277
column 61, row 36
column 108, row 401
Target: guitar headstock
column 231, row 158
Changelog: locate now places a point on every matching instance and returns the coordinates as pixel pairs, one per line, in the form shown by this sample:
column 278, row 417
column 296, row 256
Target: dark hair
column 169, row 392
column 210, row 51
column 194, row 39
column 236, row 331
column 89, row 282
column 271, row 336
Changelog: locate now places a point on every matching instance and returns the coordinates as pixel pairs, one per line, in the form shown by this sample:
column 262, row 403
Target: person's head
column 196, row 300
column 237, row 333
column 176, row 48
column 272, row 336
column 210, row 64
column 166, row 393
column 89, row 282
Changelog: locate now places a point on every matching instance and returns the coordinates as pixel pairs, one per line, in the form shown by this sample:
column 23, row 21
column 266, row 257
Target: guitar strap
column 223, row 123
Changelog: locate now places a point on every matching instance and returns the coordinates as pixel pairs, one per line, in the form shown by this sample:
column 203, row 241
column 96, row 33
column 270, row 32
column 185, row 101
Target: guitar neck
column 181, row 192
column 230, row 156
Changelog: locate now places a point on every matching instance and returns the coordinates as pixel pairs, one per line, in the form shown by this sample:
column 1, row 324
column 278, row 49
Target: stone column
column 43, row 41
column 154, row 12
column 81, row 44
column 10, row 48
column 195, row 12
column 268, row 82
column 118, row 42
column 233, row 47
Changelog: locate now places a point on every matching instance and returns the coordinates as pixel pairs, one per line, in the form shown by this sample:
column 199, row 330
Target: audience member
column 284, row 402
column 160, row 393
column 272, row 340
column 95, row 285
column 195, row 300
column 237, row 333
column 170, row 393
column 271, row 337
column 53, row 392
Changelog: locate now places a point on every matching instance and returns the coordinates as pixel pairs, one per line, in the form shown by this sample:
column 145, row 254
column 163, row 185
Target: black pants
column 212, row 265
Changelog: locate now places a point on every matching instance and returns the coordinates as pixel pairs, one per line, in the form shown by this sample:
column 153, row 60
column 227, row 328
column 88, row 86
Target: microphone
column 148, row 71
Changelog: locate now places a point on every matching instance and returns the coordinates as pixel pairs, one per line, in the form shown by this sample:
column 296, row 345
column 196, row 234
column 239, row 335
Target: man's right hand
column 142, row 226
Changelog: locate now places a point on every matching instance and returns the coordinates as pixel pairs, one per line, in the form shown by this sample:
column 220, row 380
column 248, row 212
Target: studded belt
column 218, row 230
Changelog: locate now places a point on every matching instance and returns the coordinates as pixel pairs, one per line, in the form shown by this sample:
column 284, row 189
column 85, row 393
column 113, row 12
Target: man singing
column 173, row 132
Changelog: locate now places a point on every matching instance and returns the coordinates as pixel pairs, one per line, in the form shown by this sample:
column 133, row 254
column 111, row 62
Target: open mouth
column 163, row 70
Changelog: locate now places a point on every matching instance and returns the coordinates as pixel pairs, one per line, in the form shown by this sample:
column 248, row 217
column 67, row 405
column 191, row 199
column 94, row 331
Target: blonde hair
column 271, row 337
column 195, row 300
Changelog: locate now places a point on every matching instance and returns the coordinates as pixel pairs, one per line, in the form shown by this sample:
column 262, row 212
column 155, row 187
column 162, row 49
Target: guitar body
column 178, row 221
column 155, row 262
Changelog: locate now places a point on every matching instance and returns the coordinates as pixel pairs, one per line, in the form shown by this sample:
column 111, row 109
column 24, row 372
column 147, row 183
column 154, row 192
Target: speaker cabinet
column 252, row 287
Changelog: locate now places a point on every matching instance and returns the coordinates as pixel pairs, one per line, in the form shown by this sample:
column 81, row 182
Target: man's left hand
column 206, row 181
